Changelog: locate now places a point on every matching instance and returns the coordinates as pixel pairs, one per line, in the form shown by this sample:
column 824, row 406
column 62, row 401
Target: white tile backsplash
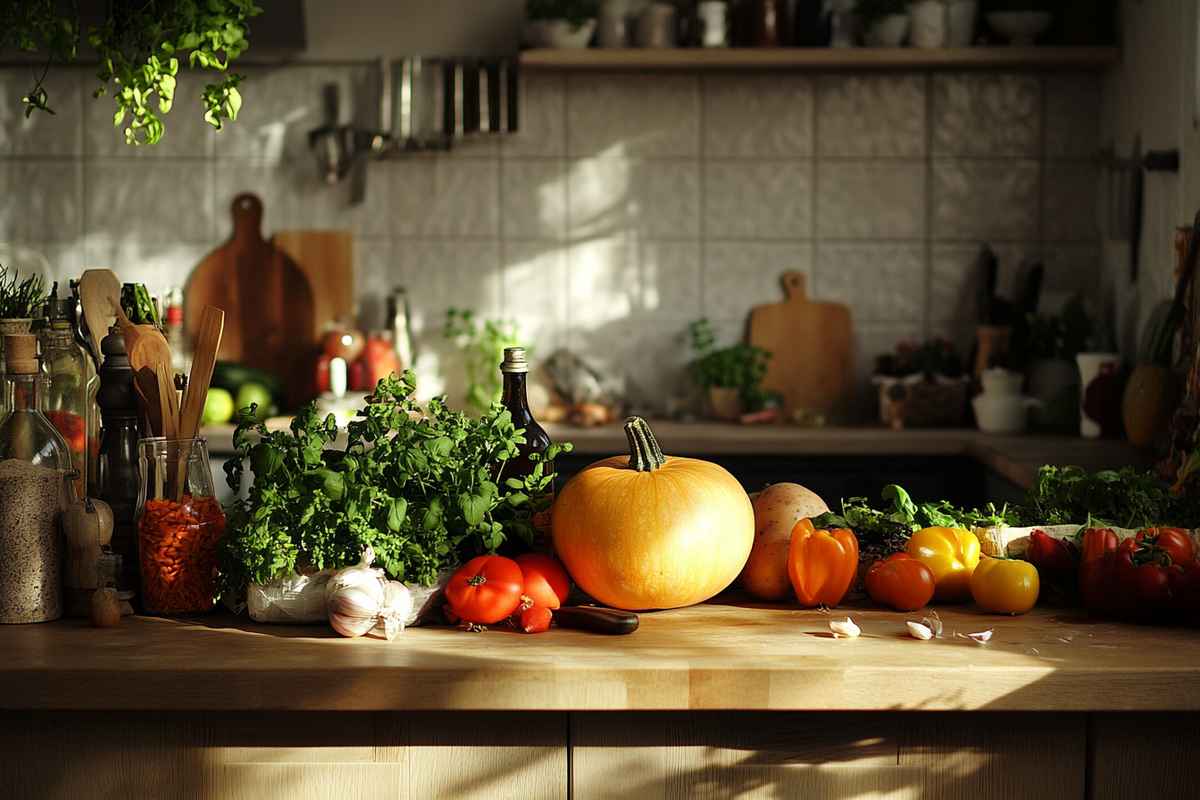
column 745, row 117
column 627, row 206
column 758, row 199
column 41, row 201
column 628, row 115
column 870, row 200
column 42, row 133
column 438, row 196
column 542, row 118
column 871, row 115
column 658, row 199
column 741, row 275
column 985, row 199
column 878, row 282
column 534, row 198
column 986, row 114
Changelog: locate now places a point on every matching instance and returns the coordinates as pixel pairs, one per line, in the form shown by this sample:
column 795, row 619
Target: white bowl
column 558, row 33
column 1020, row 27
column 1002, row 414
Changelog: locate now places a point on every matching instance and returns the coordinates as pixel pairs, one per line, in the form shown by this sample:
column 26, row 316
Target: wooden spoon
column 147, row 349
column 99, row 291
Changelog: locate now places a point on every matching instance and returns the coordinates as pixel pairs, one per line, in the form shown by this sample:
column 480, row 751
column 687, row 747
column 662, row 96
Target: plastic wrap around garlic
column 360, row 601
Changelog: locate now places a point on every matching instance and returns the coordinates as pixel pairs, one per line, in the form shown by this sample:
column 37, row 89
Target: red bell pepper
column 1049, row 554
column 1097, row 562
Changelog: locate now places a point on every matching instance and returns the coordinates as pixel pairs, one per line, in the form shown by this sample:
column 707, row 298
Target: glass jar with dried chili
column 179, row 523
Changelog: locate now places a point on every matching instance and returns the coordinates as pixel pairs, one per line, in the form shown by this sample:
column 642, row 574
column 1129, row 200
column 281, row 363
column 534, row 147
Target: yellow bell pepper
column 952, row 555
column 1005, row 586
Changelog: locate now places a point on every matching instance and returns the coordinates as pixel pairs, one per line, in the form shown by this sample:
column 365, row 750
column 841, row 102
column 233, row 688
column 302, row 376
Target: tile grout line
column 928, row 111
column 702, row 162
column 815, row 196
column 567, row 334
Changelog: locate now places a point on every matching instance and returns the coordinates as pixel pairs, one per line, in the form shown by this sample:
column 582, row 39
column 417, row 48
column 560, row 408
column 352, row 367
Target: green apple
column 218, row 407
column 255, row 393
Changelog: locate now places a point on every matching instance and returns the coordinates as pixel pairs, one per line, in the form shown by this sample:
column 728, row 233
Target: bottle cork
column 20, row 353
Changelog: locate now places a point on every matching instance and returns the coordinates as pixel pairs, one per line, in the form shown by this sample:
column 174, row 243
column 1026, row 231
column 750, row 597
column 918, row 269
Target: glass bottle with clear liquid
column 66, row 402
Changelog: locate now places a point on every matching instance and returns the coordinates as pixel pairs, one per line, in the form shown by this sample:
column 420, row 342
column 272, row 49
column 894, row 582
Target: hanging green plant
column 141, row 47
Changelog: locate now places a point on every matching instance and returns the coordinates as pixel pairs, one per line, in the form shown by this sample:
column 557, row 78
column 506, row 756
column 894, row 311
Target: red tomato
column 535, row 619
column 900, row 582
column 1173, row 540
column 546, row 581
column 485, row 590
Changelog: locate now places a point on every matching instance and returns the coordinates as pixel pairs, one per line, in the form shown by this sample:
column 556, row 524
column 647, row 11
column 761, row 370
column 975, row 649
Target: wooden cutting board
column 267, row 300
column 812, row 347
column 327, row 258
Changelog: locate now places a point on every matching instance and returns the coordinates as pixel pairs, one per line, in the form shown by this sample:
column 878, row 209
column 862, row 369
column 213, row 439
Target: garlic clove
column 844, row 628
column 934, row 623
column 982, row 637
column 919, row 631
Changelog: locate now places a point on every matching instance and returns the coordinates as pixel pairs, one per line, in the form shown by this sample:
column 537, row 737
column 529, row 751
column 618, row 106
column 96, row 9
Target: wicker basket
column 915, row 401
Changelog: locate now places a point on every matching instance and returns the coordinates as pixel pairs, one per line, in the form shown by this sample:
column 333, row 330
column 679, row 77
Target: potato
column 777, row 509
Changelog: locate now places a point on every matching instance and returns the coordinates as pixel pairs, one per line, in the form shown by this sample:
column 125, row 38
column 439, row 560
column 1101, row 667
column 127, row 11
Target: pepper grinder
column 118, row 462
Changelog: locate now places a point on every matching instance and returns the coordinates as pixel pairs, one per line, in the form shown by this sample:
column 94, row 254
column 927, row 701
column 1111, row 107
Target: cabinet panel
column 291, row 755
column 1143, row 755
column 754, row 755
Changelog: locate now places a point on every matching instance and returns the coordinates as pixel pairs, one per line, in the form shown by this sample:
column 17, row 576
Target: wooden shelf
column 799, row 58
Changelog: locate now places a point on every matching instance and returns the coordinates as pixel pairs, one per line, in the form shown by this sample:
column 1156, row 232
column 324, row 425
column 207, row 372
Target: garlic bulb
column 397, row 605
column 354, row 597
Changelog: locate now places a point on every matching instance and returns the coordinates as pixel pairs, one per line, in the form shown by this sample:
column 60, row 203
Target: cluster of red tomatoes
column 1151, row 575
column 491, row 589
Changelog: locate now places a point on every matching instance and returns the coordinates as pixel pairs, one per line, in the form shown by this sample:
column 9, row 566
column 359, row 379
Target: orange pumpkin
column 646, row 531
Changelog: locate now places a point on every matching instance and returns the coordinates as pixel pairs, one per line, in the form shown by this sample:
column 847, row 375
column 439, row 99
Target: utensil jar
column 179, row 524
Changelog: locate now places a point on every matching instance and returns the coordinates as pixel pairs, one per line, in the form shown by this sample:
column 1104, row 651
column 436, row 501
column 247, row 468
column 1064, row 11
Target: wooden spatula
column 204, row 359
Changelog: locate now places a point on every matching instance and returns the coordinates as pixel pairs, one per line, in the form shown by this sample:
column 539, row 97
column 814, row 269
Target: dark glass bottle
column 515, row 369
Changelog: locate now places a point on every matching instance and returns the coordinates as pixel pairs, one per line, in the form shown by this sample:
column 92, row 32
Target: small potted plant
column 732, row 375
column 921, row 385
column 884, row 22
column 1046, row 346
column 20, row 302
column 567, row 24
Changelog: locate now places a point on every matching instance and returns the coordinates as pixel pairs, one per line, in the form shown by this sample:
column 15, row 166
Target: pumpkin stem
column 644, row 453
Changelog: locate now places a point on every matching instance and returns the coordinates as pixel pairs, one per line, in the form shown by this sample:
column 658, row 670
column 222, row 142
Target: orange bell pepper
column 821, row 564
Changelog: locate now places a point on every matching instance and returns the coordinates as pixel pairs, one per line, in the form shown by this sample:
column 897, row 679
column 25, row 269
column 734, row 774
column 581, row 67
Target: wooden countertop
column 1014, row 457
column 711, row 656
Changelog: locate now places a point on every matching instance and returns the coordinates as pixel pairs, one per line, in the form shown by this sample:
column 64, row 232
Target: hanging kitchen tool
column 267, row 299
column 439, row 100
column 1127, row 184
column 811, row 346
